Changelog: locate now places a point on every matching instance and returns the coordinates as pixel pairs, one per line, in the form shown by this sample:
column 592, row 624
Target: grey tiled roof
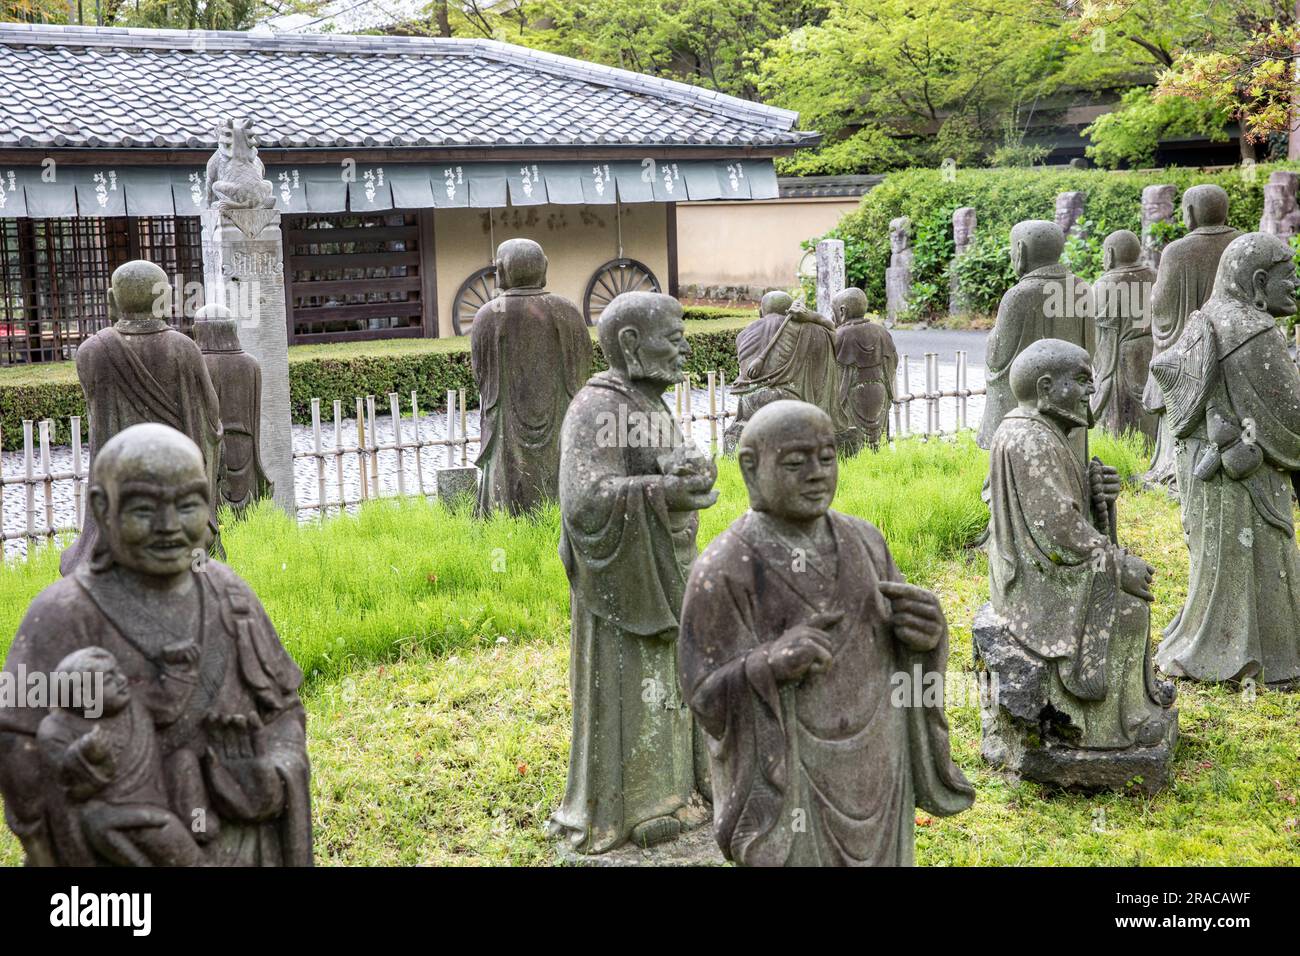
column 88, row 87
column 802, row 187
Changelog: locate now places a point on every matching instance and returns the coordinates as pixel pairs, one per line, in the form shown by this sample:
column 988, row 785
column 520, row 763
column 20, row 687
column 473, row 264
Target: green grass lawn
column 436, row 653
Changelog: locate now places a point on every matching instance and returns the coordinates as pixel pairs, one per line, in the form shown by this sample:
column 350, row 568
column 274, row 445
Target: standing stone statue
column 898, row 277
column 1066, row 635
column 796, row 629
column 1281, row 214
column 796, row 361
column 1069, row 211
column 531, row 352
column 751, row 345
column 630, row 489
column 1157, row 206
column 1049, row 302
column 1186, row 276
column 1231, row 396
column 237, row 379
column 963, row 235
column 868, row 365
column 192, row 747
column 138, row 370
column 1119, row 306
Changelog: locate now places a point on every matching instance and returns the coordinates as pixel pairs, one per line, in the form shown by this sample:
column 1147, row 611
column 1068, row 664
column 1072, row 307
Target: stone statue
column 898, row 277
column 182, row 739
column 751, row 346
column 796, row 361
column 1281, row 214
column 868, row 365
column 1231, row 396
column 963, row 235
column 236, row 178
column 531, row 352
column 1049, row 302
column 138, row 370
column 796, row 629
column 630, row 489
column 1066, row 635
column 1157, row 206
column 1186, row 276
column 1069, row 210
column 237, row 379
column 1119, row 306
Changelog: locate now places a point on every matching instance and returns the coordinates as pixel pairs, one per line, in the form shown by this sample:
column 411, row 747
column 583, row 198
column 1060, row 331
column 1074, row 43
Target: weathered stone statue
column 1231, row 396
column 1066, row 635
column 1049, row 302
column 1069, row 210
column 138, row 370
column 868, row 365
column 630, row 488
column 1186, row 276
column 1119, row 306
column 751, row 345
column 531, row 352
column 237, row 379
column 1157, row 206
column 796, row 630
column 796, row 361
column 898, row 277
column 963, row 235
column 1281, row 214
column 182, row 739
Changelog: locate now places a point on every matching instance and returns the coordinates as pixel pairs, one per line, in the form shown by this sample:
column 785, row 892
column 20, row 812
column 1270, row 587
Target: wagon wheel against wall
column 614, row 278
column 474, row 292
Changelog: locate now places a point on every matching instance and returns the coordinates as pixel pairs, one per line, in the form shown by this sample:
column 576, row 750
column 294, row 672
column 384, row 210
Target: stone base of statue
column 1023, row 734
column 695, row 846
column 451, row 484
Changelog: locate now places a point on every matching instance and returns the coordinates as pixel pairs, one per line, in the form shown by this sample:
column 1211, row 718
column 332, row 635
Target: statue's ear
column 629, row 338
column 1107, row 259
column 1044, row 387
column 99, row 505
column 1259, row 286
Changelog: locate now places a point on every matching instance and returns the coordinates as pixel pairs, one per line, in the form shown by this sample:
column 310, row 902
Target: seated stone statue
column 1066, row 635
column 868, row 364
column 1119, row 305
column 795, row 629
column 202, row 661
column 1231, row 395
column 531, row 352
column 631, row 487
column 237, row 379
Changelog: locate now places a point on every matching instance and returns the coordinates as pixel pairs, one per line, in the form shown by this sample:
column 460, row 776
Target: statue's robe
column 1242, row 613
column 1048, row 303
column 1119, row 306
column 868, row 365
column 155, row 375
column 237, row 379
column 826, row 771
column 243, row 669
column 798, row 362
column 1183, row 284
column 1055, row 581
column 531, row 351
column 627, row 556
column 752, row 340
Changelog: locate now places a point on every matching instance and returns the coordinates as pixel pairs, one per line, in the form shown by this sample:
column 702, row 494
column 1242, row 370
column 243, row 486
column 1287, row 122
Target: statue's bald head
column 1121, row 248
column 216, row 329
column 1051, row 357
column 642, row 334
column 520, row 264
column 775, row 302
column 794, row 434
column 151, row 452
column 140, row 288
column 1205, row 205
column 1035, row 243
column 848, row 304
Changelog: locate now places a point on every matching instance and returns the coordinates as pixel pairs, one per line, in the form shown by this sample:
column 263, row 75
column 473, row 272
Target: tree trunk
column 444, row 22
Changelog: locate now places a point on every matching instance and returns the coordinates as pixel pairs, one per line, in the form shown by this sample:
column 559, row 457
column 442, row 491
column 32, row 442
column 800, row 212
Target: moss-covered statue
column 1119, row 306
column 868, row 365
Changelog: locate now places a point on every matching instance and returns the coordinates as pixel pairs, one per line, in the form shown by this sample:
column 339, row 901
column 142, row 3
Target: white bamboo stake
column 78, row 485
column 29, row 478
column 713, row 414
column 464, row 431
column 450, row 457
column 374, row 446
column 338, row 451
column 361, row 447
column 907, row 397
column 319, row 456
column 396, row 411
column 47, row 477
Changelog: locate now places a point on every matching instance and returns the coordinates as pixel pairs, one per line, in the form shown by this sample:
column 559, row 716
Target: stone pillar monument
column 830, row 273
column 1157, row 206
column 1069, row 210
column 1281, row 214
column 243, row 269
column 898, row 277
column 963, row 234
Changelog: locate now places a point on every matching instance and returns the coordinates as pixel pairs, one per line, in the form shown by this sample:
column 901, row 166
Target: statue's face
column 117, row 690
column 160, row 522
column 660, row 350
column 1277, row 288
column 1066, row 395
column 793, row 476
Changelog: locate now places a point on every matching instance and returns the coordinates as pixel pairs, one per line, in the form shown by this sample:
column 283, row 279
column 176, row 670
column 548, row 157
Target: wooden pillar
column 671, row 225
column 428, row 276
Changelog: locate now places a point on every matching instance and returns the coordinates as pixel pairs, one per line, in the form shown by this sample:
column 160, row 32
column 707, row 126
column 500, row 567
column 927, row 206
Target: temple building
column 399, row 164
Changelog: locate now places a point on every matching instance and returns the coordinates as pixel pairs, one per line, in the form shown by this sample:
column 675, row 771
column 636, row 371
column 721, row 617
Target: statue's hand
column 915, row 615
column 96, row 751
column 1105, row 484
column 1135, row 576
column 803, row 649
column 688, row 492
column 244, row 780
column 181, row 652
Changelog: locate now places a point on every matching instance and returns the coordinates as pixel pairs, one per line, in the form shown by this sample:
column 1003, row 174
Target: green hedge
column 328, row 372
column 1002, row 198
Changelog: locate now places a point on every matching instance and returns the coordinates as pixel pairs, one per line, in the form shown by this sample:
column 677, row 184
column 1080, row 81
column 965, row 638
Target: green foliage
column 985, row 270
column 1129, row 135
